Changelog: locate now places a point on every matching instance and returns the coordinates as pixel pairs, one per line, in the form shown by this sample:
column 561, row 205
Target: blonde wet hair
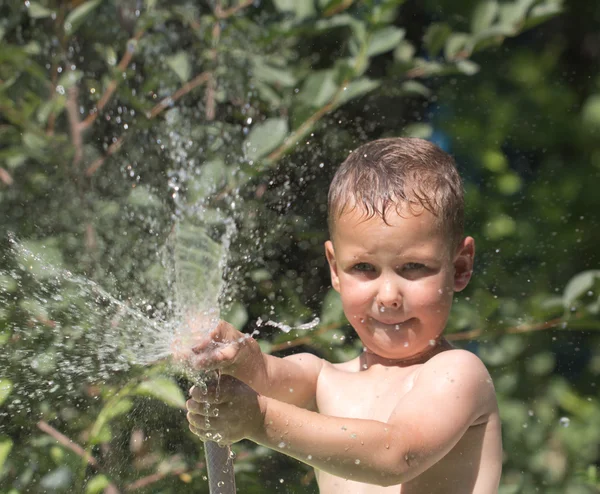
column 403, row 173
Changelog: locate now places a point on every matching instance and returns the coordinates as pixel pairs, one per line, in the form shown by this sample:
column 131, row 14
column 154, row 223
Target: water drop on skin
column 357, row 462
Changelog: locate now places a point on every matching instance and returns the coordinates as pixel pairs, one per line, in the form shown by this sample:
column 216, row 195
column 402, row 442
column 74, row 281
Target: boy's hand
column 225, row 349
column 226, row 411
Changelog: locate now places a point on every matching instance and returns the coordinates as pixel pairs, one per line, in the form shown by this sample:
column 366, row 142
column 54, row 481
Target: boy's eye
column 363, row 267
column 413, row 266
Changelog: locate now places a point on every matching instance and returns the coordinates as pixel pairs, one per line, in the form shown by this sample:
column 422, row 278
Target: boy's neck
column 369, row 359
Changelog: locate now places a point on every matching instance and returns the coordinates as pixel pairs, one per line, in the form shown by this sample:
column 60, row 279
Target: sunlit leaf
column 578, row 285
column 500, row 226
column 455, row 44
column 57, row 480
column 332, row 312
column 180, row 64
column 318, row 88
column 384, row 40
column 97, row 484
column 435, row 37
column 590, row 113
column 485, row 13
column 357, row 88
column 265, row 137
column 236, row 315
column 421, row 130
column 6, row 387
column 38, row 11
column 78, row 15
column 300, row 8
column 6, row 445
column 142, row 197
column 163, row 389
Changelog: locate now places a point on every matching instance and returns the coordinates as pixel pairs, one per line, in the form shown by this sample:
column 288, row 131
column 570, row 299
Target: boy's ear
column 463, row 263
column 330, row 254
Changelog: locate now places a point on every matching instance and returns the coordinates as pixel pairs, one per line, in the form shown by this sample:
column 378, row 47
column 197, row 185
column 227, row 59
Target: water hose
column 219, row 464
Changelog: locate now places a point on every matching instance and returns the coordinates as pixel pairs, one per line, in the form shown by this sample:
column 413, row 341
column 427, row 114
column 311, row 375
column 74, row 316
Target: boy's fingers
column 198, row 421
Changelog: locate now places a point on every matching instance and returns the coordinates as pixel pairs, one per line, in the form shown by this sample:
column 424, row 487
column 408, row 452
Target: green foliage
column 116, row 124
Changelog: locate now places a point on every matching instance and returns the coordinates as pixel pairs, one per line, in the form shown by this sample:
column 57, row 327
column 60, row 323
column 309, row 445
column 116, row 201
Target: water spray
column 199, row 263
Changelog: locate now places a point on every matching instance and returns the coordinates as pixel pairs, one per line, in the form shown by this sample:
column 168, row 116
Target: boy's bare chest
column 364, row 395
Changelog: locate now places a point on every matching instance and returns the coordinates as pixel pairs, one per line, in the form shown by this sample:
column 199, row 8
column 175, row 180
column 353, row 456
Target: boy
column 410, row 414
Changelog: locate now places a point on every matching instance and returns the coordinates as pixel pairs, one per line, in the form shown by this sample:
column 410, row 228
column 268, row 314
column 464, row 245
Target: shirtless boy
column 411, row 414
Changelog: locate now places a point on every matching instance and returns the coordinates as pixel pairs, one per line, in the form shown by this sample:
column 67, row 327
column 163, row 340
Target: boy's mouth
column 390, row 324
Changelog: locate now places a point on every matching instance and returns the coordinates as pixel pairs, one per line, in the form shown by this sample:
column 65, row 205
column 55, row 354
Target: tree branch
column 112, row 149
column 67, row 443
column 74, row 124
column 225, row 13
column 6, row 177
column 186, row 88
column 112, row 85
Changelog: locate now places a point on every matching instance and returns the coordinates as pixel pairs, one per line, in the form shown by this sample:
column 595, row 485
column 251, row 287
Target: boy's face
column 396, row 280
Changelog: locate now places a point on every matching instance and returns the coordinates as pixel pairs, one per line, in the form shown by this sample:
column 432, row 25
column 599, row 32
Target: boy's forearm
column 285, row 379
column 357, row 449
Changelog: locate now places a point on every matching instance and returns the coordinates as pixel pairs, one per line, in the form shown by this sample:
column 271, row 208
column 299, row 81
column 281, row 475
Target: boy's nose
column 389, row 296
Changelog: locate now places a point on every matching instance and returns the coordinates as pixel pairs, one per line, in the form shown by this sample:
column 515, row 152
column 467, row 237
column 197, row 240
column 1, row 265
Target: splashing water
column 73, row 332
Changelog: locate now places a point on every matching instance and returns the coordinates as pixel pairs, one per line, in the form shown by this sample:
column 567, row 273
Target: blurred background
column 120, row 118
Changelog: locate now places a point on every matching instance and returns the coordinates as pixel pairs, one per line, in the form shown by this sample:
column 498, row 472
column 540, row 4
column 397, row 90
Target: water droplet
column 357, row 461
column 281, row 444
column 565, row 421
column 220, row 483
column 431, row 342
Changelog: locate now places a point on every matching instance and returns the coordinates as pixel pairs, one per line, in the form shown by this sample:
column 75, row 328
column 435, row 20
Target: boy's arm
column 452, row 392
column 291, row 379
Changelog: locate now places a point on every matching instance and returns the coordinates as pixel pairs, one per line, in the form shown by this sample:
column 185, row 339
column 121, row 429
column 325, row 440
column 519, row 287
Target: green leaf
column 421, row 130
column 142, row 197
column 300, row 8
column 404, row 52
column 590, row 113
column 484, row 15
column 499, row 227
column 57, row 480
column 455, row 44
column 384, row 40
column 435, row 37
column 332, row 312
column 41, row 259
column 7, row 284
column 6, row 445
column 467, row 67
column 265, row 137
column 415, row 87
column 318, row 88
column 6, row 387
column 78, row 15
column 358, row 87
column 163, row 389
column 578, row 285
column 38, row 11
column 180, row 64
column 97, row 484
column 236, row 315
column 510, row 183
column 70, row 78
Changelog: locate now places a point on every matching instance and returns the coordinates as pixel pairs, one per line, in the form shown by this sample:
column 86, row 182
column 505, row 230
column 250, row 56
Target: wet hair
column 401, row 173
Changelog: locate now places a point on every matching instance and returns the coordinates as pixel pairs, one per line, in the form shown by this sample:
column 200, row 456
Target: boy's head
column 397, row 252
column 406, row 174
